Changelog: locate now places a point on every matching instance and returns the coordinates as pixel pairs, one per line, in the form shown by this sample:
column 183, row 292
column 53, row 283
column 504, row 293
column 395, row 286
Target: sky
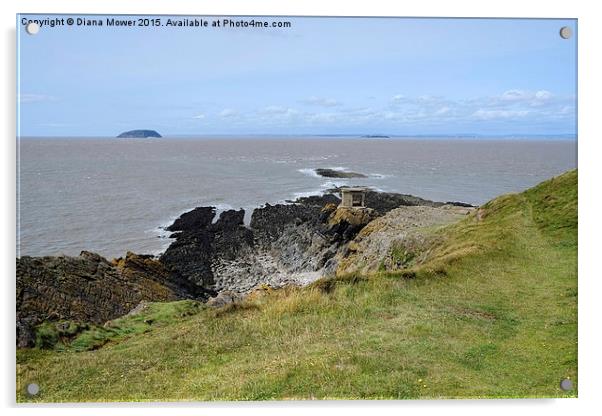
column 394, row 76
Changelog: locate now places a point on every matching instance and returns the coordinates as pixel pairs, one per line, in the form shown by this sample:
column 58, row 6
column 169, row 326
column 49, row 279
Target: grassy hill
column 492, row 312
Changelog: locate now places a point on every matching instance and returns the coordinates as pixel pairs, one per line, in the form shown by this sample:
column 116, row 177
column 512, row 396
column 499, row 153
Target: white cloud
column 532, row 98
column 320, row 101
column 543, row 95
column 273, row 109
column 427, row 99
column 514, row 95
column 389, row 115
column 442, row 111
column 511, row 106
column 228, row 113
column 199, row 116
column 276, row 110
column 482, row 114
column 323, row 117
column 424, row 100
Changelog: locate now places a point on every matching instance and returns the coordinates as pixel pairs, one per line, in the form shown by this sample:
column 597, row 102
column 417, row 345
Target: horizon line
column 355, row 135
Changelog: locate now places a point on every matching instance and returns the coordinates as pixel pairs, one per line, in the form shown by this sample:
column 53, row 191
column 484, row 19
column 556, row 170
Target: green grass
column 73, row 336
column 491, row 313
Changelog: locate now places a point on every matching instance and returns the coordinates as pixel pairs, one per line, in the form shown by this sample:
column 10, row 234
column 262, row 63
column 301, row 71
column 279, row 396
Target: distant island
column 376, row 136
column 138, row 134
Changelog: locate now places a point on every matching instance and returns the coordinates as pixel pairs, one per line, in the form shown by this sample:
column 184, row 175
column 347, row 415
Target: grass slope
column 492, row 313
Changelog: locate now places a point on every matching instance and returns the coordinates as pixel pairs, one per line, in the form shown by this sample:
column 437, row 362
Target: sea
column 110, row 195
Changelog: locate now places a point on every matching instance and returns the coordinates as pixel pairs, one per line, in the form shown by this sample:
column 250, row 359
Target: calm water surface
column 114, row 195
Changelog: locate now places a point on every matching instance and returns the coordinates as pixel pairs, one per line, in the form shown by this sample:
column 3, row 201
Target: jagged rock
column 142, row 307
column 189, row 257
column 459, row 204
column 197, row 218
column 284, row 244
column 318, row 200
column 383, row 202
column 270, row 221
column 224, row 298
column 230, row 235
column 200, row 241
column 332, row 173
column 397, row 239
column 351, row 216
column 230, row 219
column 88, row 288
column 345, row 223
column 135, row 265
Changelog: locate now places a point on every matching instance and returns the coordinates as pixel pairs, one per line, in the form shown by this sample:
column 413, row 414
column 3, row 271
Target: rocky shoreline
column 216, row 260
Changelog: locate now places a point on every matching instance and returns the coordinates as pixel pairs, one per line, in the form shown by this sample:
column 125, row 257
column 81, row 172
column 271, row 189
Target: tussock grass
column 73, row 336
column 492, row 312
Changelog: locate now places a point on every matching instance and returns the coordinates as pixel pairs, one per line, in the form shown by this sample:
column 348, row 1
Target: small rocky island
column 333, row 173
column 138, row 134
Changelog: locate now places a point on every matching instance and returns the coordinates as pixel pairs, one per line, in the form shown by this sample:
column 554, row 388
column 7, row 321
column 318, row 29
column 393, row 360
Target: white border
column 590, row 117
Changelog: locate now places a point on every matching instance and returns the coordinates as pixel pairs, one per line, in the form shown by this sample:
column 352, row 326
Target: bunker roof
column 353, row 189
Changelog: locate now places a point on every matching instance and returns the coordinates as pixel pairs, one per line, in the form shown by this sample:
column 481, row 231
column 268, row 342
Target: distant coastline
column 532, row 137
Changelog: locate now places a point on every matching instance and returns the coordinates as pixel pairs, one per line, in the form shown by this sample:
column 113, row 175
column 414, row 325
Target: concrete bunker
column 353, row 197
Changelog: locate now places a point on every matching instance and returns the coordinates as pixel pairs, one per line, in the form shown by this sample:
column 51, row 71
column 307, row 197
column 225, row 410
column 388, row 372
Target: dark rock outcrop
column 136, row 267
column 383, row 202
column 333, row 173
column 199, row 242
column 89, row 288
column 138, row 134
column 284, row 244
column 460, row 204
column 197, row 218
column 270, row 221
column 319, row 200
column 291, row 243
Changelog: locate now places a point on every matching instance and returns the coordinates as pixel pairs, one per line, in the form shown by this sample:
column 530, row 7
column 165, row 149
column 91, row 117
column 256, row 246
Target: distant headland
column 375, row 136
column 138, row 134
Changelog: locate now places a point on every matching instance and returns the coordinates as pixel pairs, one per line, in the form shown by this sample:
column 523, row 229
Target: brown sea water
column 114, row 195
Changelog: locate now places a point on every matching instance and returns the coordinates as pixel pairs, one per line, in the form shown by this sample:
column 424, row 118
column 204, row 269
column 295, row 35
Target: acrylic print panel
column 275, row 208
